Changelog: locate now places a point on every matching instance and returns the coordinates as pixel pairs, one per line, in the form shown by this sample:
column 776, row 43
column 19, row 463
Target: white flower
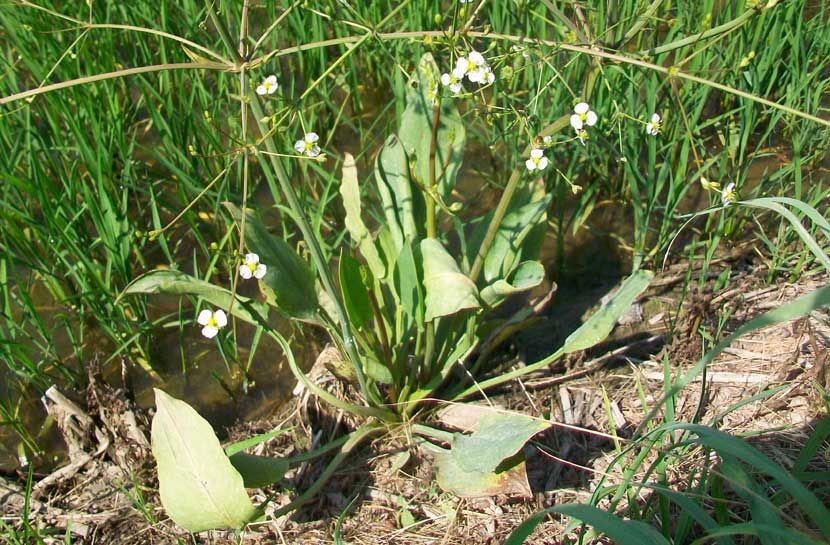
column 537, row 160
column 522, row 50
column 212, row 321
column 308, row 145
column 582, row 134
column 728, row 195
column 583, row 116
column 252, row 267
column 453, row 80
column 465, row 1
column 547, row 140
column 475, row 67
column 653, row 126
column 268, row 86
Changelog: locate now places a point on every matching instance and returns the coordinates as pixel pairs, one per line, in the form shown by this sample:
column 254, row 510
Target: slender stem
column 501, row 379
column 275, row 24
column 432, row 433
column 672, row 71
column 111, row 75
column 584, row 50
column 222, row 30
column 355, row 438
column 90, row 26
column 243, row 138
column 381, row 414
column 316, row 453
column 432, row 231
column 317, row 256
column 688, row 40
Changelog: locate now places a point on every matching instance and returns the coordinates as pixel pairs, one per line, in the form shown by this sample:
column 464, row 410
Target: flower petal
column 581, row 108
column 260, row 271
column 251, row 257
column 260, row 90
column 576, row 122
column 299, row 145
column 476, row 57
column 209, row 331
column 311, row 137
column 245, row 271
column 204, row 317
column 591, row 119
column 530, row 164
column 537, row 153
column 220, row 317
column 543, row 162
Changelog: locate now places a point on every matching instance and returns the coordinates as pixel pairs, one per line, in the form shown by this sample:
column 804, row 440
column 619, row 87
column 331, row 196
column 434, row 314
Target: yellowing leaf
column 199, row 487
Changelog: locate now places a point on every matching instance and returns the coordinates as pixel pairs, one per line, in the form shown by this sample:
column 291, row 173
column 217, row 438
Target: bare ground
column 107, row 493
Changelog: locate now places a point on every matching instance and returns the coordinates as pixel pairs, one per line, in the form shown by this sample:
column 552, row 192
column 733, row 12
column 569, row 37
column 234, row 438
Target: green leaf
column 408, row 290
column 760, row 508
column 239, row 446
column 517, row 224
column 448, row 289
column 350, row 192
column 395, row 190
column 355, row 292
column 179, row 283
column 289, row 282
column 600, row 324
column 809, row 211
column 258, row 471
column 527, row 276
column 377, row 371
column 621, row 532
column 199, row 487
column 489, row 461
column 416, row 129
column 727, row 445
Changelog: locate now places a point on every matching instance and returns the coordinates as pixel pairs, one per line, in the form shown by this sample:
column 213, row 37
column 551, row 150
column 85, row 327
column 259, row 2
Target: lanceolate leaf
column 416, row 129
column 355, row 292
column 395, row 190
column 622, row 532
column 350, row 192
column 517, row 224
column 448, row 289
column 600, row 324
column 289, row 282
column 179, row 283
column 199, row 487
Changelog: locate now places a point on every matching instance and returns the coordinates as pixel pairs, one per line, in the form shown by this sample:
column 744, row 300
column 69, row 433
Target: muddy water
column 191, row 368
